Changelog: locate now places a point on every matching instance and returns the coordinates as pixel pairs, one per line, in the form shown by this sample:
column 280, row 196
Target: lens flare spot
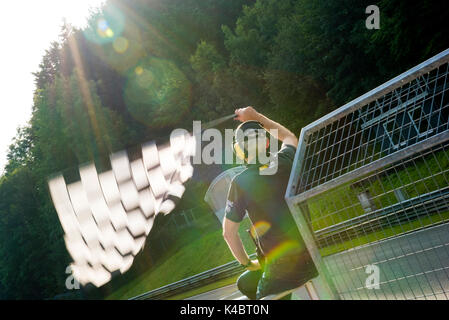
column 260, row 228
column 102, row 24
column 120, row 44
column 104, row 27
column 138, row 70
column 109, row 33
column 157, row 93
column 284, row 248
column 147, row 80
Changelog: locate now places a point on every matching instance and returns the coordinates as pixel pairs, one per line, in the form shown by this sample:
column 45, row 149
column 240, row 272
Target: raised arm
column 277, row 130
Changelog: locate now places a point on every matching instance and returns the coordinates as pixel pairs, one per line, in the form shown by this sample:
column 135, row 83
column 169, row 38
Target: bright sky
column 27, row 27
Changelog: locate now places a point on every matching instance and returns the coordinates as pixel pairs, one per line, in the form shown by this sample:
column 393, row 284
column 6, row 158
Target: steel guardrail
column 221, row 272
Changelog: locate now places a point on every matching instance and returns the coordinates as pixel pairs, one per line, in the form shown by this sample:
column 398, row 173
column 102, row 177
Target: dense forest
column 144, row 67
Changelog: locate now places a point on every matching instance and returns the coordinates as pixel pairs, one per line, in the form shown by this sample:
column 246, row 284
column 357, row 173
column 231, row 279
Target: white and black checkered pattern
column 107, row 216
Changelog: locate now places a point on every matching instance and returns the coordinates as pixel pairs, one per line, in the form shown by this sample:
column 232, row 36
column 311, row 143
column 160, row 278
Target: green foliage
column 157, row 93
column 409, row 33
column 19, row 151
column 168, row 62
column 206, row 62
column 50, row 66
column 32, row 264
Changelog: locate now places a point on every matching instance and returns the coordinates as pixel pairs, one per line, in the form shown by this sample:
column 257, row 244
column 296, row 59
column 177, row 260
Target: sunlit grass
column 416, row 178
column 385, row 233
column 192, row 257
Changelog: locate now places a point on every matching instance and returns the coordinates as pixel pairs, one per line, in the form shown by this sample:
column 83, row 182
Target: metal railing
column 221, row 272
column 374, row 173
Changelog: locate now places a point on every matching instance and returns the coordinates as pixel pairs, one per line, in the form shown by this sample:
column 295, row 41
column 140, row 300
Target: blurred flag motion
column 107, row 216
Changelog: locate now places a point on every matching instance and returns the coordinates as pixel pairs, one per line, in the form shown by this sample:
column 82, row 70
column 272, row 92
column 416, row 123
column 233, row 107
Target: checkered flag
column 107, row 216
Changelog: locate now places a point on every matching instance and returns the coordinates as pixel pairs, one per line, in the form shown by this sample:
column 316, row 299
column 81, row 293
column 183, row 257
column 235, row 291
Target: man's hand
column 255, row 265
column 246, row 114
column 276, row 130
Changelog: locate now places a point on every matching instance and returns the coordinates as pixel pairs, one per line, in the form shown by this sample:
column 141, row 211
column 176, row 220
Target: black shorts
column 285, row 274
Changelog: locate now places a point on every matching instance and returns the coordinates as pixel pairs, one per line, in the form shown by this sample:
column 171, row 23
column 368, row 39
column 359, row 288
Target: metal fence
column 369, row 190
column 204, row 278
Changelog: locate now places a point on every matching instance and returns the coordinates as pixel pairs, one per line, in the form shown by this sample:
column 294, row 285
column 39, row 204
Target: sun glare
column 77, row 11
column 28, row 29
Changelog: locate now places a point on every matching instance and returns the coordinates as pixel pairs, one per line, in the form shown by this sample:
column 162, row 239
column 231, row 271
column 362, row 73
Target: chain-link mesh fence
column 371, row 182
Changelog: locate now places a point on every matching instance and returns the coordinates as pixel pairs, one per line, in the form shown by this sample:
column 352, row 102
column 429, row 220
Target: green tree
column 19, row 151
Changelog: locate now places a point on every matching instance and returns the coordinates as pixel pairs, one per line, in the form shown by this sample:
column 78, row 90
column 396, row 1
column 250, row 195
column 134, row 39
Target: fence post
column 391, row 138
column 323, row 284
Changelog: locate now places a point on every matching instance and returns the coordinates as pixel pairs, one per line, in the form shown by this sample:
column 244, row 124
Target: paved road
column 225, row 293
column 232, row 293
column 412, row 266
